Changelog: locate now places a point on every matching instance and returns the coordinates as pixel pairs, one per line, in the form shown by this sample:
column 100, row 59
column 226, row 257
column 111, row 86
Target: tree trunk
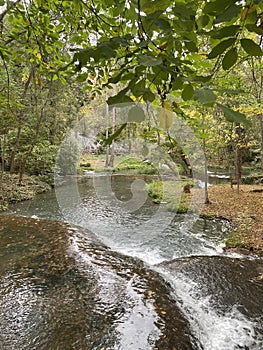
column 238, row 166
column 205, row 165
column 37, row 133
column 261, row 138
column 20, row 120
column 2, row 157
column 107, row 133
column 111, row 162
column 15, row 148
column 238, row 157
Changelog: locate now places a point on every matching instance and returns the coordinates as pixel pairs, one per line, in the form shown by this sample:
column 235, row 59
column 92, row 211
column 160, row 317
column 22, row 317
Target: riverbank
column 244, row 210
column 12, row 191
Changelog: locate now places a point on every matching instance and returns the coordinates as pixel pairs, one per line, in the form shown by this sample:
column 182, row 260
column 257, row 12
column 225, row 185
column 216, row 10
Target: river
column 128, row 274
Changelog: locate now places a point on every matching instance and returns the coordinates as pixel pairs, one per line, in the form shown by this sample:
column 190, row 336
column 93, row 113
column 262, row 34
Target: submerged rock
column 63, row 289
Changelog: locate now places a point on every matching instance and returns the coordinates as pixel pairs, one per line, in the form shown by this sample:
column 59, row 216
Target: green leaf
column 187, row 92
column 233, row 116
column 148, row 96
column 221, row 47
column 109, row 140
column 182, row 11
column 83, row 56
column 202, row 21
column 105, row 50
column 226, row 16
column 115, row 79
column 163, row 24
column 254, row 28
column 119, row 98
column 225, row 32
column 205, row 96
column 177, row 83
column 251, row 47
column 155, row 5
column 230, row 58
column 149, row 61
column 82, row 77
column 2, row 2
column 139, row 89
column 217, row 6
column 202, row 79
column 191, row 46
column 136, row 114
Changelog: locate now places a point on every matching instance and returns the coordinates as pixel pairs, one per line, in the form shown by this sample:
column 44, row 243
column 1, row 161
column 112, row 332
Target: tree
column 149, row 48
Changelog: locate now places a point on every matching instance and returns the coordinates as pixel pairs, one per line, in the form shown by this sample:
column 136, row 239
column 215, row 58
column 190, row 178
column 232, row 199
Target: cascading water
column 220, row 294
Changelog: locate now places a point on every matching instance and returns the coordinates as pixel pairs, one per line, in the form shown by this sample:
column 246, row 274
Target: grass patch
column 235, row 239
column 136, row 165
column 122, row 164
column 171, row 193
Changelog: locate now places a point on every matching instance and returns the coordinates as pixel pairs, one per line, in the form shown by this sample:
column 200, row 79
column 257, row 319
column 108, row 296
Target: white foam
column 215, row 331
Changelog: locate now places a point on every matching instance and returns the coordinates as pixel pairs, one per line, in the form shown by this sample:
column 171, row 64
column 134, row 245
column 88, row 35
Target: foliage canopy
column 150, row 47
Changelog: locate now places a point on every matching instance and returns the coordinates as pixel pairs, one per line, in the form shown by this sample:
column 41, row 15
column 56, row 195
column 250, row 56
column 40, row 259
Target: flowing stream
column 134, row 276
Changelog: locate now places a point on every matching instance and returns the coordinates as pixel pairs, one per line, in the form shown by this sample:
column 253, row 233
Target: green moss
column 235, row 239
column 135, row 165
column 171, row 193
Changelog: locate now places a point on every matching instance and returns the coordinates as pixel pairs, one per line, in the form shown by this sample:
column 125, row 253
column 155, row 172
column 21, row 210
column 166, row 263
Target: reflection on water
column 62, row 289
column 151, row 233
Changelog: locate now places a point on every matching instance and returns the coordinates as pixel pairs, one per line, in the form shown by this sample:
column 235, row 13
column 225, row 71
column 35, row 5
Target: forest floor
column 244, row 210
column 11, row 191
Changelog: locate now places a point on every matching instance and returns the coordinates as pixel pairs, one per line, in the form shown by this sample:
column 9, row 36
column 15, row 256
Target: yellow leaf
column 24, row 77
column 37, row 54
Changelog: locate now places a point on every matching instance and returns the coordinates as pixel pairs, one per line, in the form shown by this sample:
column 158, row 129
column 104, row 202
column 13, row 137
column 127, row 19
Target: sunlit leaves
column 150, row 6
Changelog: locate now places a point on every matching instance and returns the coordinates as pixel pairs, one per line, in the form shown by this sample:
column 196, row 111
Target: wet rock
column 62, row 289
